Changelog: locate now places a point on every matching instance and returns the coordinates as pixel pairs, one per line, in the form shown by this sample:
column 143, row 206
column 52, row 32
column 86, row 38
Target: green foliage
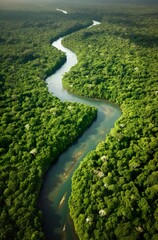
column 114, row 190
column 35, row 126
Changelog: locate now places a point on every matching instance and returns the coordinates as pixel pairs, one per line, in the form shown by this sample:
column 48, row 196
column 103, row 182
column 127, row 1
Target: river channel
column 56, row 189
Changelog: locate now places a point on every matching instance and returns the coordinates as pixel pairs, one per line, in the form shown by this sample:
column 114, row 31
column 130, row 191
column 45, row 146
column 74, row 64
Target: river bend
column 57, row 183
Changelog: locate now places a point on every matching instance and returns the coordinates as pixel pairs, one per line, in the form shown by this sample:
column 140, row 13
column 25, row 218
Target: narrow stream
column 57, row 183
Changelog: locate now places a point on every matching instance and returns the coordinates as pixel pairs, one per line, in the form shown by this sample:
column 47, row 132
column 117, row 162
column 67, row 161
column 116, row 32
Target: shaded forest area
column 115, row 189
column 35, row 127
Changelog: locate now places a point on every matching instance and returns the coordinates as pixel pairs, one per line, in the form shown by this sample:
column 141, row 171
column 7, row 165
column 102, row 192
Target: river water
column 56, row 189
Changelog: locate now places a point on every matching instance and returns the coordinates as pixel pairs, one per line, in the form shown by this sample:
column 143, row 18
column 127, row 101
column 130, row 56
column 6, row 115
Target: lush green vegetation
column 35, row 126
column 114, row 192
column 115, row 189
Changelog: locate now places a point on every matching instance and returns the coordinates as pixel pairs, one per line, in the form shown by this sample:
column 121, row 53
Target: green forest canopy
column 115, row 189
column 35, row 127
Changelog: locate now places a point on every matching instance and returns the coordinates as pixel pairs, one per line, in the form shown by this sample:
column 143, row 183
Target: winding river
column 57, row 183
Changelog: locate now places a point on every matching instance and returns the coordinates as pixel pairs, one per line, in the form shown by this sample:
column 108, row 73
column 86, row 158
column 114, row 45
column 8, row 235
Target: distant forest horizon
column 83, row 2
